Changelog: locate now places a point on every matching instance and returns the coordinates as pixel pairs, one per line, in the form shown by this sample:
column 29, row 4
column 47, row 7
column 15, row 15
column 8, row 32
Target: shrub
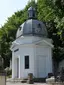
column 8, row 71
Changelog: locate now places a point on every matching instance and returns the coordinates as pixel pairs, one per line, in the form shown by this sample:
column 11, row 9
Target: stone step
column 25, row 80
column 17, row 80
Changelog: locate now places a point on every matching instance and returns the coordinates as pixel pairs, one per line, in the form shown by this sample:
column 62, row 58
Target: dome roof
column 32, row 27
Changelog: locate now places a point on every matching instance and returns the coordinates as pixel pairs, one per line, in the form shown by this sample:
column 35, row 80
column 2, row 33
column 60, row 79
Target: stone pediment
column 45, row 43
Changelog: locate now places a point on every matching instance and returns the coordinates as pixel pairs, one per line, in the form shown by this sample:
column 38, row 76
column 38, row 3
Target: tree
column 8, row 31
column 52, row 13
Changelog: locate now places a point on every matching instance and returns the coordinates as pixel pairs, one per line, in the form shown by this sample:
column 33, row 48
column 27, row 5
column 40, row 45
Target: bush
column 8, row 71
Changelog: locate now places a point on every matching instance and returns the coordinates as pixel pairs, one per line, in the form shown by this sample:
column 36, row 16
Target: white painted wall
column 39, row 54
column 27, row 50
column 45, row 54
column 23, row 51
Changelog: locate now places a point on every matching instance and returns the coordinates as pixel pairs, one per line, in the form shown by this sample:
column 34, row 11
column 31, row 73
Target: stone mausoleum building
column 32, row 49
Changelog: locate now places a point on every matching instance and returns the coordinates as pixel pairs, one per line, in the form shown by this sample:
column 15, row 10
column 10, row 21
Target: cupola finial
column 31, row 13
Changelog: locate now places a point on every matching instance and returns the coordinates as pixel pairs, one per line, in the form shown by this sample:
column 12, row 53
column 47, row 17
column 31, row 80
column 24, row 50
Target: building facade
column 32, row 49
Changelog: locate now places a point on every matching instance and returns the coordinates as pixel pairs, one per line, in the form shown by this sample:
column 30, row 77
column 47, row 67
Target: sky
column 8, row 7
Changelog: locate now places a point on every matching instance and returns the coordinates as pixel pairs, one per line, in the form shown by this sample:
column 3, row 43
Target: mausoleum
column 32, row 49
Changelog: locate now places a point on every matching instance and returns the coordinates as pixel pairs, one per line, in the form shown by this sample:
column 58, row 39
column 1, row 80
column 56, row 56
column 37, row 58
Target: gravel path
column 25, row 84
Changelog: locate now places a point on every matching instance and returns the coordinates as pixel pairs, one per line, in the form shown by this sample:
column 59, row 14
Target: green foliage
column 8, row 71
column 8, row 31
column 45, row 12
column 52, row 12
column 8, row 34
